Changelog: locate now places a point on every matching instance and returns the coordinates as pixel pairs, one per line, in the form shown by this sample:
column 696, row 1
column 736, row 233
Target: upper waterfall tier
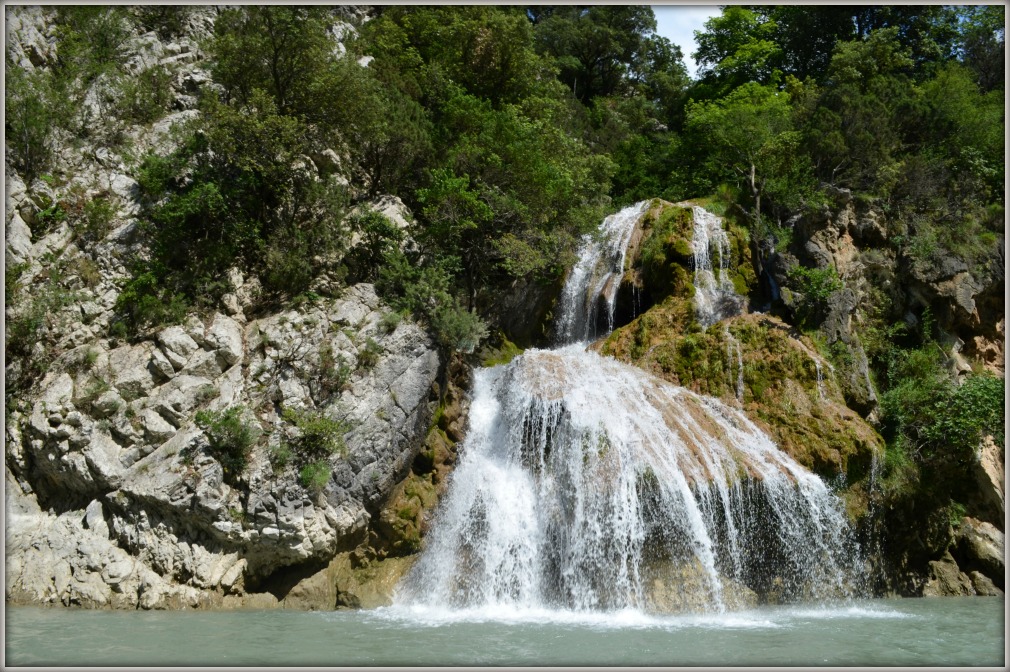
column 590, row 292
column 715, row 297
column 588, row 484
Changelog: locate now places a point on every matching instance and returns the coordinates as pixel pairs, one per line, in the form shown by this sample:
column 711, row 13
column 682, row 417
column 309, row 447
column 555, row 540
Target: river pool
column 934, row 632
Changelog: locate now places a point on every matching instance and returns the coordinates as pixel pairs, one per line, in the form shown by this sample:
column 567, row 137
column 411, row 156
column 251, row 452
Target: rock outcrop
column 113, row 448
column 116, row 494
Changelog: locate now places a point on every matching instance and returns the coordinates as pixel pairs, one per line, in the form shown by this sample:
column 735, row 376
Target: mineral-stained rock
column 990, row 477
column 983, row 547
column 946, row 579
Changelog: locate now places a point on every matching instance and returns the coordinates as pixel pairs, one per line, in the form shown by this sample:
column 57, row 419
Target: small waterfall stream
column 586, row 484
column 591, row 288
column 714, row 295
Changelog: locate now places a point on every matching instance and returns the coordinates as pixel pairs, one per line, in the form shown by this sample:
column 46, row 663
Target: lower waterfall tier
column 588, row 484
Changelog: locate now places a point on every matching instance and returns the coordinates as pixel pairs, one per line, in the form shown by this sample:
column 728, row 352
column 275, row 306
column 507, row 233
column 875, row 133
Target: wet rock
column 983, row 547
column 983, row 585
column 367, row 585
column 945, row 579
column 685, row 588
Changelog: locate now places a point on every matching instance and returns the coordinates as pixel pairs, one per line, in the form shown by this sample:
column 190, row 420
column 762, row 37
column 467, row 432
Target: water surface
column 942, row 631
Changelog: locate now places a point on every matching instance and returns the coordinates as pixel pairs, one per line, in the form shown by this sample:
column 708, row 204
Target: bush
column 424, row 291
column 368, row 356
column 315, row 475
column 95, row 221
column 230, row 439
column 815, row 285
column 28, row 124
column 145, row 97
column 146, row 303
column 458, row 329
column 318, row 435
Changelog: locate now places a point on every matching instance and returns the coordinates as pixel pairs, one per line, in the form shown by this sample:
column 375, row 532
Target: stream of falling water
column 591, row 289
column 714, row 295
column 587, row 485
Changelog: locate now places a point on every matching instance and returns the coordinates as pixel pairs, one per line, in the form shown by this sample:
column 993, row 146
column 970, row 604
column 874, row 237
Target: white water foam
column 590, row 291
column 589, row 489
column 714, row 295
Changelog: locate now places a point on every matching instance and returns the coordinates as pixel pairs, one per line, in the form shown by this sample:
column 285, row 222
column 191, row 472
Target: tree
column 595, row 47
column 857, row 129
column 749, row 132
column 278, row 49
column 735, row 48
column 982, row 44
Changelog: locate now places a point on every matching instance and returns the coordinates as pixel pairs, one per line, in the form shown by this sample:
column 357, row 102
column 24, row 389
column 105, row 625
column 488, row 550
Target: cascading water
column 714, row 295
column 589, row 485
column 733, row 347
column 591, row 288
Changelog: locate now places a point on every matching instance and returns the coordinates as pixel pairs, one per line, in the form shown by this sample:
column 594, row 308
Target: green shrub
column 167, row 20
column 28, row 123
column 280, row 456
column 334, row 372
column 390, row 321
column 230, row 439
column 368, row 356
column 315, row 475
column 318, row 436
column 815, row 285
column 145, row 97
column 145, row 303
column 95, row 221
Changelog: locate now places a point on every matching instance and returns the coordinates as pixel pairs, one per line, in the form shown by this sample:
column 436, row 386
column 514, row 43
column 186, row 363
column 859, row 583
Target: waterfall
column 587, row 484
column 733, row 347
column 591, row 287
column 714, row 295
column 820, row 379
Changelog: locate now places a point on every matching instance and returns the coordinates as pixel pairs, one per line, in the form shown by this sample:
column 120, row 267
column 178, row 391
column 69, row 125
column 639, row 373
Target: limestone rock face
column 946, row 580
column 127, row 480
column 983, row 546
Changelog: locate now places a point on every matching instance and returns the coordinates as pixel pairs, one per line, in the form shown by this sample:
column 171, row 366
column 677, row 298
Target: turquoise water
column 942, row 631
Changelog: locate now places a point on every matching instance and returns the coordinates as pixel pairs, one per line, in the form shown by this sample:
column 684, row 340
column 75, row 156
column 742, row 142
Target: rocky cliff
column 177, row 468
column 808, row 383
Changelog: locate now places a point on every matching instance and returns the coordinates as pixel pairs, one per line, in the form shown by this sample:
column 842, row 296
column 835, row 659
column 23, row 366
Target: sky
column 677, row 23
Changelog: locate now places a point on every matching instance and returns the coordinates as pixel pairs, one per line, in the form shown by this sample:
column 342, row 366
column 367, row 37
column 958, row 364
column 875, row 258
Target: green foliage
column 167, row 20
column 815, row 287
column 334, row 372
column 318, row 436
column 145, row 97
column 934, row 418
column 230, row 438
column 390, row 321
column 146, row 303
column 380, row 237
column 27, row 122
column 315, row 475
column 423, row 290
column 368, row 356
column 27, row 349
column 95, row 221
column 738, row 47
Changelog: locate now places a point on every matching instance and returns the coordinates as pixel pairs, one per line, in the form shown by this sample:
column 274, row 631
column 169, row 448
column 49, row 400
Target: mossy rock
column 664, row 255
column 780, row 388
